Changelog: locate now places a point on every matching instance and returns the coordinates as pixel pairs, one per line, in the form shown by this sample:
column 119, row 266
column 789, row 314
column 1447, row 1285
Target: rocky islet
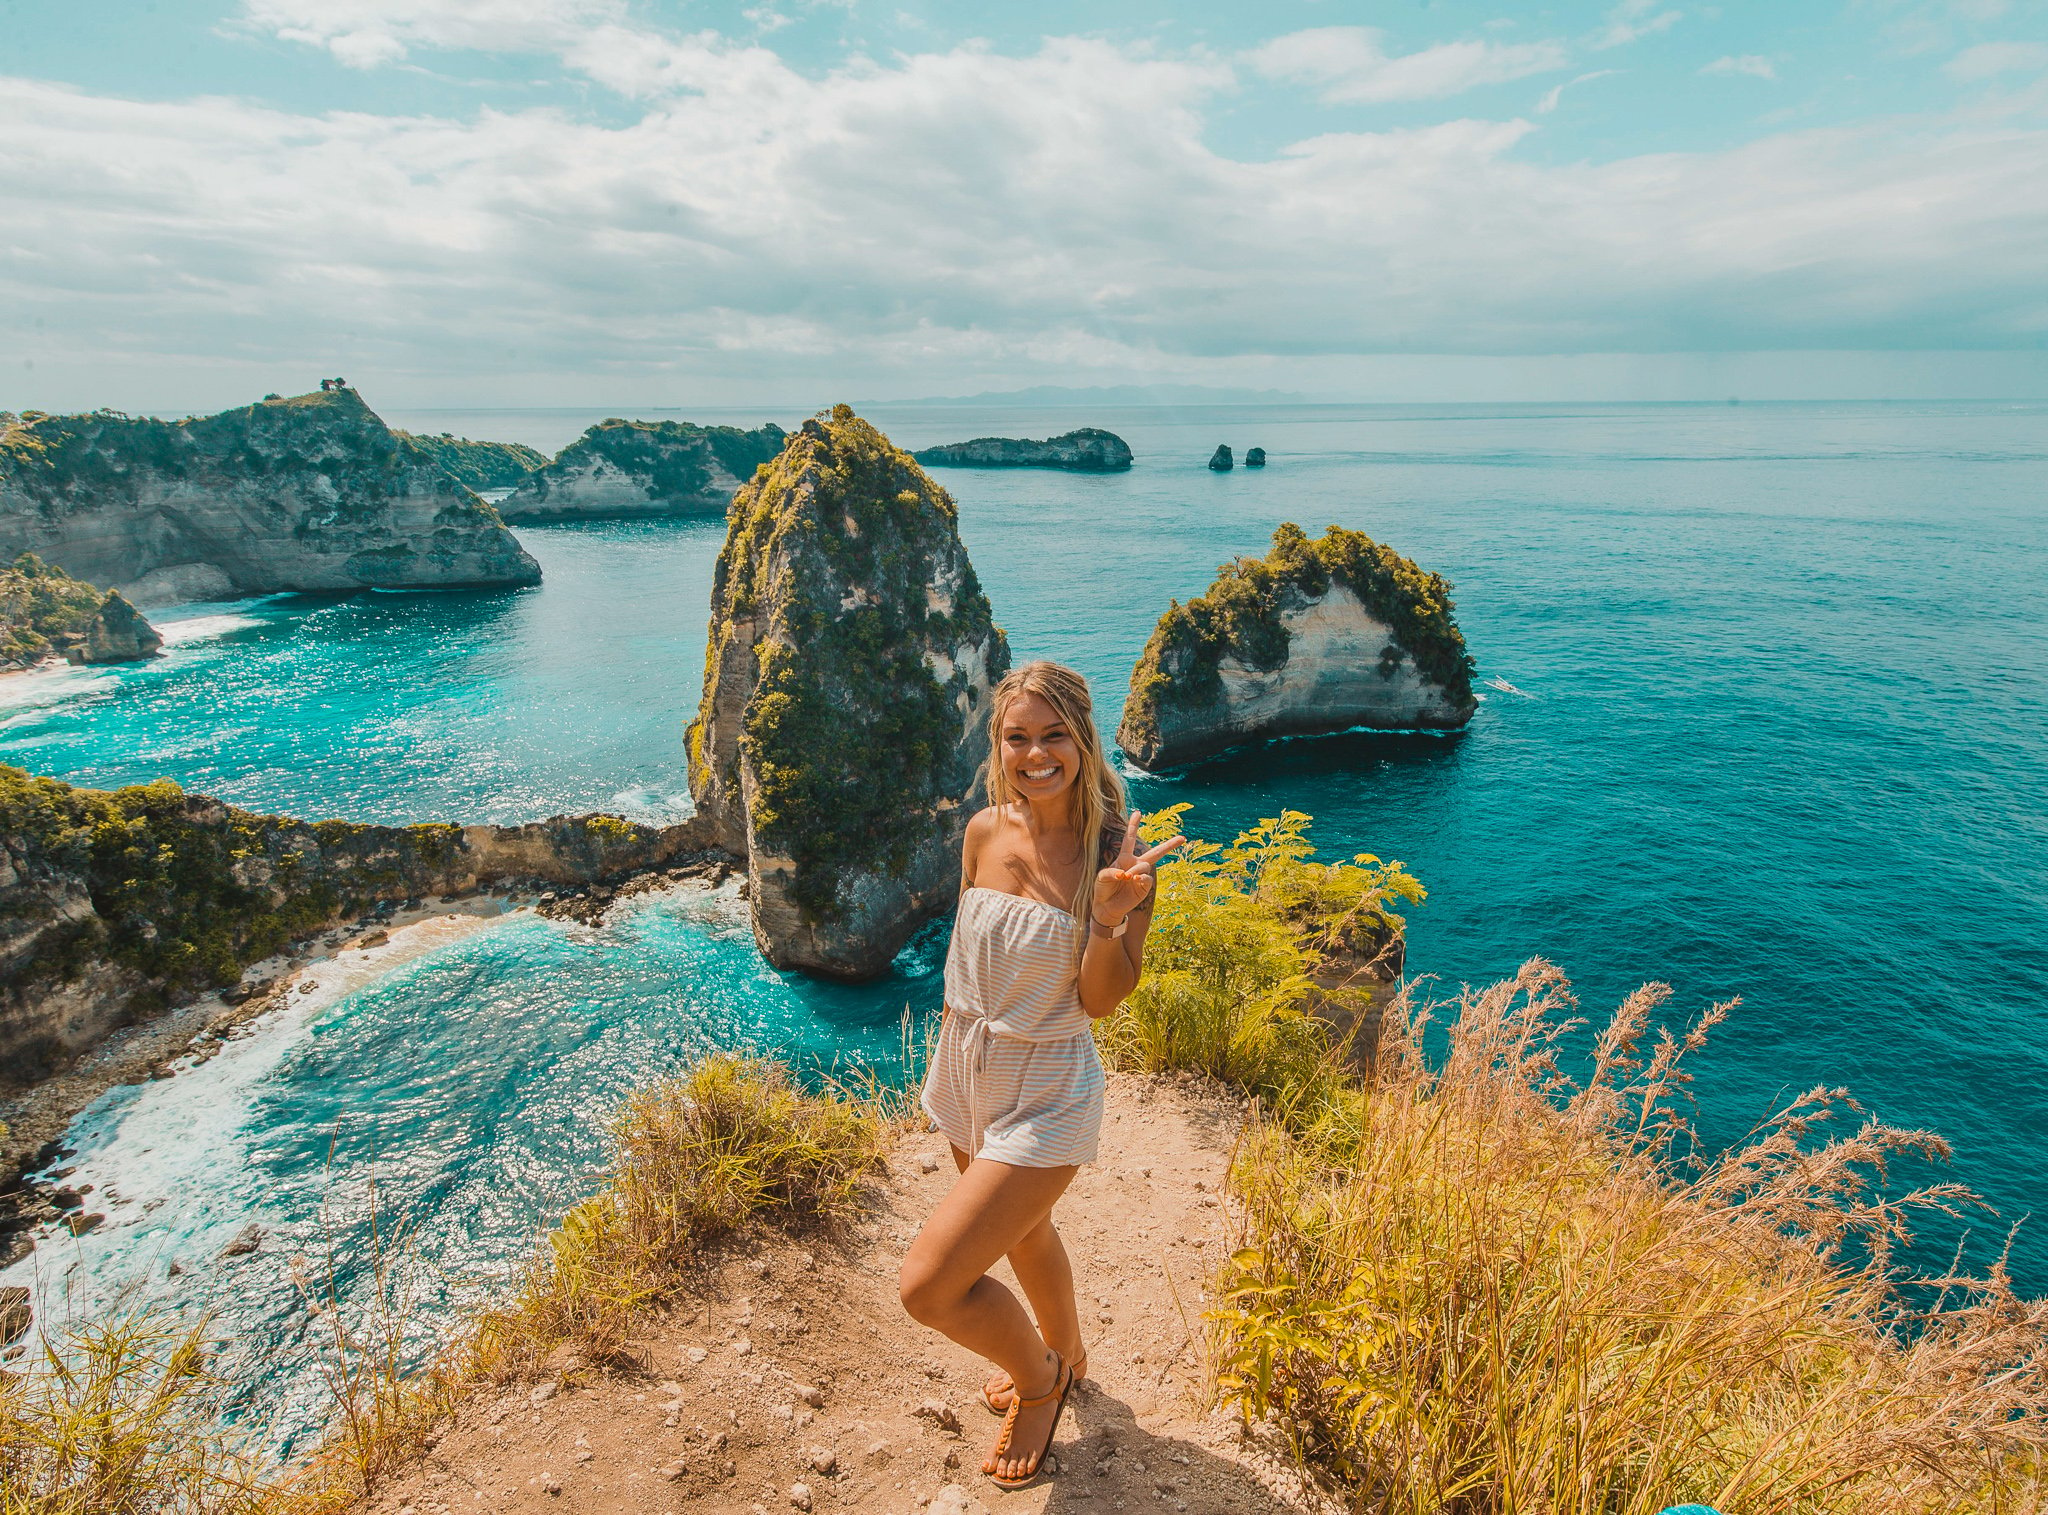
column 478, row 465
column 1087, row 450
column 623, row 469
column 1318, row 636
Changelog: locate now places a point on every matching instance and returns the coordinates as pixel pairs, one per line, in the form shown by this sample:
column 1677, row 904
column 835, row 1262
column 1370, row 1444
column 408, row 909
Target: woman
column 1055, row 901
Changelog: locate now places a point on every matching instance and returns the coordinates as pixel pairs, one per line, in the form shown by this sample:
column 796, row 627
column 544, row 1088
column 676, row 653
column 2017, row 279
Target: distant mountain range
column 1111, row 394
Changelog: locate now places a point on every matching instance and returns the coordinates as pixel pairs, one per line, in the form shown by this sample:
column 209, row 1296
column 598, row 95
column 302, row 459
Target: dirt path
column 796, row 1381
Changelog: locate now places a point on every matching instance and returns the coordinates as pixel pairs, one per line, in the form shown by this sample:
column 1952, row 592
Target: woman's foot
column 999, row 1391
column 1026, row 1436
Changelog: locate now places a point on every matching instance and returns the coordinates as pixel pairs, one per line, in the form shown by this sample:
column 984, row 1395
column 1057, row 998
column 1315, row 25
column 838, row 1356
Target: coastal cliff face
column 1318, row 636
column 851, row 656
column 116, row 903
column 1089, row 450
column 47, row 614
column 479, row 465
column 644, row 468
column 312, row 493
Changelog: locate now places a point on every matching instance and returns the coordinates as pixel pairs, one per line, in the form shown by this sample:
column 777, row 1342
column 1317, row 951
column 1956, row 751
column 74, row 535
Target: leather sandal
column 997, row 1393
column 1062, row 1385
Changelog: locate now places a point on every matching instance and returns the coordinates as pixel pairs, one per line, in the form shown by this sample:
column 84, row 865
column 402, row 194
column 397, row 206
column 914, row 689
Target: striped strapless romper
column 1014, row 1076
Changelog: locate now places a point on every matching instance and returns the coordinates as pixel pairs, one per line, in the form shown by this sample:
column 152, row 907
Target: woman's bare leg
column 944, row 1284
column 1047, row 1276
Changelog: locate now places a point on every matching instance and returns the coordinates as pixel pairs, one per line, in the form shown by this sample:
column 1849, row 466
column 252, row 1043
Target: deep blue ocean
column 1766, row 715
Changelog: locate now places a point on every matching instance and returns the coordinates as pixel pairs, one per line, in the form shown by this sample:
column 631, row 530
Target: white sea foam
column 55, row 685
column 199, row 628
column 653, row 806
column 171, row 1162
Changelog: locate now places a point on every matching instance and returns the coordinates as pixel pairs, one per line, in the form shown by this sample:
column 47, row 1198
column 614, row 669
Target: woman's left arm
column 1115, row 953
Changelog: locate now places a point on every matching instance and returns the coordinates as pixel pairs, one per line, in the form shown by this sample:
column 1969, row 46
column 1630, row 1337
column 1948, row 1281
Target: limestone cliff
column 644, row 468
column 1089, row 450
column 851, row 656
column 47, row 614
column 308, row 493
column 478, row 465
column 1318, row 636
column 113, row 904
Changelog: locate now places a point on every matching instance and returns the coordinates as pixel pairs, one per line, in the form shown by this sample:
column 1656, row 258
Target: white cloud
column 1632, row 20
column 1752, row 64
column 1349, row 65
column 365, row 33
column 956, row 212
column 1989, row 59
column 1556, row 92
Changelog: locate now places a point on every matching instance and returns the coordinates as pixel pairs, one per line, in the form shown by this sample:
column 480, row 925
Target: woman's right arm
column 979, row 828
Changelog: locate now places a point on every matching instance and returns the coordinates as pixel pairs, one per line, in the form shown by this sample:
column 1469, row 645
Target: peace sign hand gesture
column 1125, row 884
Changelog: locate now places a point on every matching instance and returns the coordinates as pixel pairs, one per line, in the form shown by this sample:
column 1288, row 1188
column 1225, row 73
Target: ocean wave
column 39, row 688
column 202, row 627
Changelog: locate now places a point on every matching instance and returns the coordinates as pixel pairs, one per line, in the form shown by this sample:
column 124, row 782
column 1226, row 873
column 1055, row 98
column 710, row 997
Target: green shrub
column 1238, row 933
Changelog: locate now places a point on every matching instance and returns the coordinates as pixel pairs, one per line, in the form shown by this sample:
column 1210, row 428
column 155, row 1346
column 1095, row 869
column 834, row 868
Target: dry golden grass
column 731, row 1142
column 1465, row 1286
column 121, row 1415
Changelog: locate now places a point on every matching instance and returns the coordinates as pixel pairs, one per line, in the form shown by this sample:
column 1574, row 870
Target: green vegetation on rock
column 44, row 612
column 843, row 577
column 621, row 467
column 308, row 493
column 115, row 903
column 1240, row 617
column 478, row 465
column 186, row 891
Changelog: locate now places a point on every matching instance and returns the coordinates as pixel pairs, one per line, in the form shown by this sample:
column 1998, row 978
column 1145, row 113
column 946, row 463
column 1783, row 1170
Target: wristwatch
column 1096, row 928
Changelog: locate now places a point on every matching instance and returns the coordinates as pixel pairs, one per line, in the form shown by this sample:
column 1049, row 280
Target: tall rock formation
column 307, row 493
column 1317, row 636
column 644, row 468
column 47, row 614
column 1220, row 460
column 846, row 688
column 1089, row 450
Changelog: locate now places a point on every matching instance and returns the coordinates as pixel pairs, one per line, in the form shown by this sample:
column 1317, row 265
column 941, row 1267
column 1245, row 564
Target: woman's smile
column 1039, row 752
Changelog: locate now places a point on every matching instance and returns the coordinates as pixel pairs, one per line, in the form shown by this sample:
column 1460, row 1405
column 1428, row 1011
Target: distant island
column 1114, row 394
column 478, row 465
column 621, row 468
column 1088, row 450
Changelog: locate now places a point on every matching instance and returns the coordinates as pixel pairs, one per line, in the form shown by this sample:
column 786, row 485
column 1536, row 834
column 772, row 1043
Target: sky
column 642, row 203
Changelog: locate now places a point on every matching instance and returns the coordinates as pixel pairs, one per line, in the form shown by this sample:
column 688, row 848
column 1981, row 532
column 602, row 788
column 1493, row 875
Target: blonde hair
column 1097, row 795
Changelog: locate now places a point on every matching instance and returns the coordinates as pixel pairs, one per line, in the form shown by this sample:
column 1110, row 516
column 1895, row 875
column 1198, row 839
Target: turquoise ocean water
column 1766, row 716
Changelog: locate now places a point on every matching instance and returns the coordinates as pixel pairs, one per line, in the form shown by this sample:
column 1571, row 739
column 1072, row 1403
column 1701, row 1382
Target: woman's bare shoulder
column 981, row 829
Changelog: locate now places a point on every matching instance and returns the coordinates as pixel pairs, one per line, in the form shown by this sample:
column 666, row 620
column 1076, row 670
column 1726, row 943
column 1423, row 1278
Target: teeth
column 1040, row 773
